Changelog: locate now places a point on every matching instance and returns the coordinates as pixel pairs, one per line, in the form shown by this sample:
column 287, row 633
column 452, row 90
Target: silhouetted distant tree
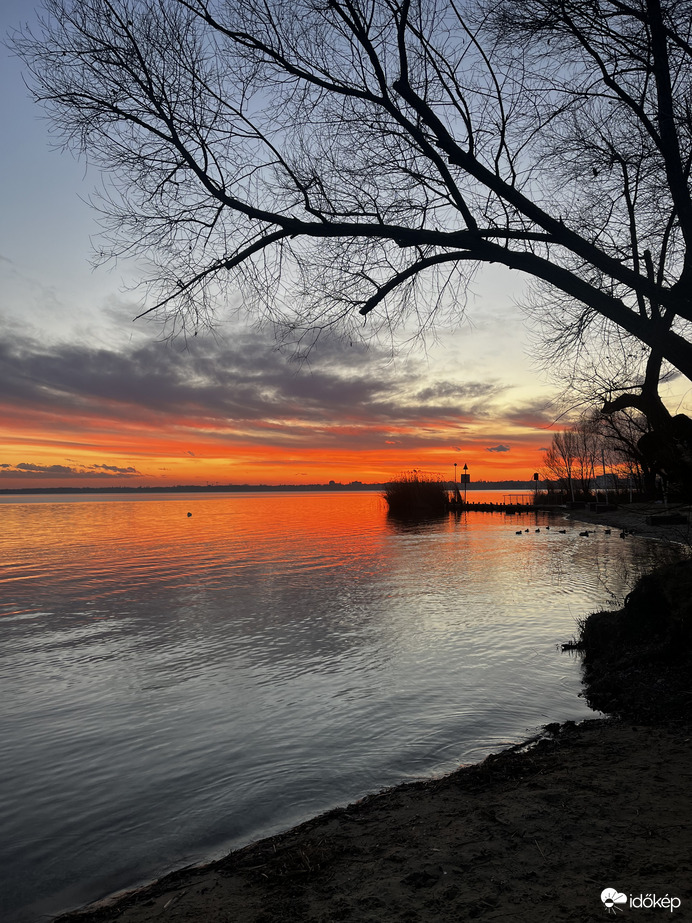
column 598, row 444
column 622, row 379
column 623, row 432
column 572, row 456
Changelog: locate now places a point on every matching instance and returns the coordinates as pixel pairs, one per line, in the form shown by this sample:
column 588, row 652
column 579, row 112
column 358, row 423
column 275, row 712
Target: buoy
column 189, row 514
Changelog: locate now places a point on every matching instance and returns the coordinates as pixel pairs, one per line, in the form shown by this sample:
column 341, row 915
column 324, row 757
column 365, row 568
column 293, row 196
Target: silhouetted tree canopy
column 332, row 158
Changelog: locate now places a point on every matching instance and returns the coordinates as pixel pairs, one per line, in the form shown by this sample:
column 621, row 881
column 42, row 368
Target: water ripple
column 174, row 686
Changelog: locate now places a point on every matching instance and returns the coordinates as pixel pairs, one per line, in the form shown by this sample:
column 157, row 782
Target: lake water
column 174, row 686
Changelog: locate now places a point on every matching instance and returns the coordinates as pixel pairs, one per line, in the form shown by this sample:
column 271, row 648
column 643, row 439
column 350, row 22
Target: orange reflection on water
column 113, row 544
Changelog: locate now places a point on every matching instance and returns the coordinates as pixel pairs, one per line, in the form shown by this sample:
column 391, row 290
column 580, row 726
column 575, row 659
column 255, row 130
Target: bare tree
column 559, row 461
column 622, row 433
column 573, row 456
column 599, row 444
column 328, row 157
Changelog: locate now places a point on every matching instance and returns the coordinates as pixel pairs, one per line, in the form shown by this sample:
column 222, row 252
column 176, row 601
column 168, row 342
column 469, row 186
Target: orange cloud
column 246, row 415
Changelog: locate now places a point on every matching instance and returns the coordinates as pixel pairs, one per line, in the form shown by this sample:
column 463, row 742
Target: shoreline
column 632, row 518
column 536, row 831
column 527, row 834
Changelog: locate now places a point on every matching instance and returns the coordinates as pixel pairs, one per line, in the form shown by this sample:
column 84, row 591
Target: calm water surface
column 174, row 686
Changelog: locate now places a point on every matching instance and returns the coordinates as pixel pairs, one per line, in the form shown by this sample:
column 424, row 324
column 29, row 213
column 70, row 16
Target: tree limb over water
column 332, row 159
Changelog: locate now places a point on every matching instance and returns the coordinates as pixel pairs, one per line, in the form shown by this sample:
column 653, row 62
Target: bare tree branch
column 321, row 156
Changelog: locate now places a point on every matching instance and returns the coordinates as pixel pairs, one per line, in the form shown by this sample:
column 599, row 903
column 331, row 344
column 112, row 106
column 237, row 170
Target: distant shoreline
column 244, row 488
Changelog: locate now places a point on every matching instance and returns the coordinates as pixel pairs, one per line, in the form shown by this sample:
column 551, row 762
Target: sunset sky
column 89, row 397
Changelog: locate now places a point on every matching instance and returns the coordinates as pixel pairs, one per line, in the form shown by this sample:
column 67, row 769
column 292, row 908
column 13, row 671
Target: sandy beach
column 536, row 832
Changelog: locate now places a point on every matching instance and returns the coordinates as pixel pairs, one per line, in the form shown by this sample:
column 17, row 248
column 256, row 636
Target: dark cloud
column 65, row 471
column 28, row 468
column 498, row 448
column 463, row 397
column 243, row 385
column 538, row 414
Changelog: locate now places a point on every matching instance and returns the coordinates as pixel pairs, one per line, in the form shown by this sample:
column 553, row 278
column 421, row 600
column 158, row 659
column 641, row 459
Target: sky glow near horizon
column 88, row 397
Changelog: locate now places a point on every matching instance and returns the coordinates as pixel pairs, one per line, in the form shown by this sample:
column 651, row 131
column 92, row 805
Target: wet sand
column 534, row 833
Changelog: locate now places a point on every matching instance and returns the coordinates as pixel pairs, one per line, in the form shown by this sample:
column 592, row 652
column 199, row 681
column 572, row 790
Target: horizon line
column 220, row 488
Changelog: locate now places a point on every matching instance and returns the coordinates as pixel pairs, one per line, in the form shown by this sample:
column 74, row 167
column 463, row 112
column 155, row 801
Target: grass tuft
column 417, row 494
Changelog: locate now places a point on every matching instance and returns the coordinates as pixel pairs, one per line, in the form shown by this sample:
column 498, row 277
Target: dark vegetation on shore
column 638, row 659
column 416, row 494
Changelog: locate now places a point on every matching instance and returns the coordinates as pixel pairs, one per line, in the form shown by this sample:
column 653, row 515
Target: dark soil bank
column 638, row 660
